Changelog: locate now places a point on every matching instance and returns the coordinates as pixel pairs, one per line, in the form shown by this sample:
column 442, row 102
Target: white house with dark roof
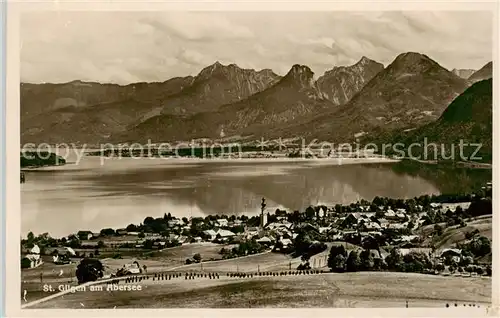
column 222, row 222
column 210, row 234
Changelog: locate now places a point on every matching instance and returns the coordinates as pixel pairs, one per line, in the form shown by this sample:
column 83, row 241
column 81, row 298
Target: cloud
column 123, row 47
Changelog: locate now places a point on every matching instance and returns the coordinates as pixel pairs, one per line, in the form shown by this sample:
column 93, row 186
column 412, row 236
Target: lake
column 90, row 196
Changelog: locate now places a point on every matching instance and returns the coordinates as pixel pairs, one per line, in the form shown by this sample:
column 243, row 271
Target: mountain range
column 468, row 119
column 346, row 102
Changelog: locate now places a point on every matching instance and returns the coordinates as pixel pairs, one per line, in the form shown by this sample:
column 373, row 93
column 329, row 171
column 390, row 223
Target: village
column 450, row 235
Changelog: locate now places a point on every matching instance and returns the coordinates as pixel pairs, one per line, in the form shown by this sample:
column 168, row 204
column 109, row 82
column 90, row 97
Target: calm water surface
column 91, row 196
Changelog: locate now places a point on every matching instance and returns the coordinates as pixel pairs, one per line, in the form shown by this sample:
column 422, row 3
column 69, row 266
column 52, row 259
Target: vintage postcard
column 251, row 156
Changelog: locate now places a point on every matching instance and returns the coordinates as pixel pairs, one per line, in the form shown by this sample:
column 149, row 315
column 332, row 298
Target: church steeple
column 263, row 217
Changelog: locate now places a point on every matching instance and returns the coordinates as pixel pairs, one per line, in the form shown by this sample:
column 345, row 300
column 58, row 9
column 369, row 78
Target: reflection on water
column 89, row 196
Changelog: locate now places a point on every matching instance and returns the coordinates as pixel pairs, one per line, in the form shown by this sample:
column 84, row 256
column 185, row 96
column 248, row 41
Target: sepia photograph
column 256, row 159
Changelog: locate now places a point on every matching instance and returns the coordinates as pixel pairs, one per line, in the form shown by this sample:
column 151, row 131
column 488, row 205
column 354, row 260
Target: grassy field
column 251, row 263
column 363, row 289
column 455, row 234
column 32, row 281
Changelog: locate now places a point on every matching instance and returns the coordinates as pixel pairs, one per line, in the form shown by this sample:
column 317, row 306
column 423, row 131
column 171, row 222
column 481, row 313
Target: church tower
column 263, row 217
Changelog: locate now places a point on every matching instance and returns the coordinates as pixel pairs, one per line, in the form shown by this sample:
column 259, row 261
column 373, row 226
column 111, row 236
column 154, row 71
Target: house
column 435, row 205
column 453, row 206
column 383, row 223
column 286, row 233
column 371, row 226
column 286, row 243
column 133, row 233
column 197, row 239
column 396, row 226
column 252, row 230
column 349, row 221
column 209, row 235
column 265, row 241
column 159, row 245
column 420, row 250
column 390, row 215
column 400, row 216
column 32, row 259
column 84, row 235
column 66, row 251
column 95, row 235
column 225, row 234
column 222, row 222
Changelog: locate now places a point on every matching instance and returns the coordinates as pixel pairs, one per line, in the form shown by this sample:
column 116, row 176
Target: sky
column 127, row 47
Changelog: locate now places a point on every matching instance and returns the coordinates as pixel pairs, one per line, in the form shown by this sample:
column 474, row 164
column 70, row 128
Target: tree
column 131, row 228
column 353, row 262
column 148, row 220
column 479, row 270
column 185, row 220
column 394, row 260
column 100, row 244
column 488, row 270
column 25, row 262
column 305, row 257
column 334, row 251
column 479, row 246
column 141, row 235
column 338, row 263
column 462, row 222
column 107, row 232
column 438, row 230
column 466, row 260
column 411, row 225
column 89, row 270
column 310, row 212
column 74, row 243
column 366, row 260
column 31, row 237
column 197, row 257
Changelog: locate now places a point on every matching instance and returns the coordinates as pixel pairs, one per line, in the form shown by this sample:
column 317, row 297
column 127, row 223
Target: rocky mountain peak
column 300, row 74
column 365, row 61
column 341, row 83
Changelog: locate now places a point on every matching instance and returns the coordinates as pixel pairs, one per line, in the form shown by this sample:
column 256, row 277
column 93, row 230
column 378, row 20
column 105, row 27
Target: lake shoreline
column 182, row 160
